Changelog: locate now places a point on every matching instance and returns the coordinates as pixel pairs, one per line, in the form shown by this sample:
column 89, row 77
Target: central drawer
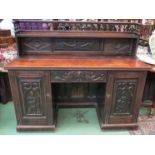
column 78, row 76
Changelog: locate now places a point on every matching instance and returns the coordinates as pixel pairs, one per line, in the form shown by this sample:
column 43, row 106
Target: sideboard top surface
column 77, row 62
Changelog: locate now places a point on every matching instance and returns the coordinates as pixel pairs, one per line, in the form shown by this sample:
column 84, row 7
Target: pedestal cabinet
column 123, row 98
column 33, row 101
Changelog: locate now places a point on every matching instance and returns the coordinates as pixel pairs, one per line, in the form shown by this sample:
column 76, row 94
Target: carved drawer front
column 78, row 76
column 34, row 105
column 123, row 97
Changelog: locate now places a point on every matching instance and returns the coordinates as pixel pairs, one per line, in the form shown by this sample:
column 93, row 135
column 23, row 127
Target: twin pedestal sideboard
column 59, row 69
column 41, row 85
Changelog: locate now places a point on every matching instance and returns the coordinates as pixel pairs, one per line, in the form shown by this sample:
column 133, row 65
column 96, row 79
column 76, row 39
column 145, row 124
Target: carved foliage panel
column 118, row 46
column 49, row 44
column 78, row 76
column 77, row 44
column 124, row 95
column 36, row 44
column 105, row 46
column 31, row 92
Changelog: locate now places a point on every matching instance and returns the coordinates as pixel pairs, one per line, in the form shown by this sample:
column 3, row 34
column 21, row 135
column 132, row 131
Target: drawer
column 79, row 76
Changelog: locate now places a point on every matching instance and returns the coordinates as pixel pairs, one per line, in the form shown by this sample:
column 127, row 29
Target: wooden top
column 77, row 62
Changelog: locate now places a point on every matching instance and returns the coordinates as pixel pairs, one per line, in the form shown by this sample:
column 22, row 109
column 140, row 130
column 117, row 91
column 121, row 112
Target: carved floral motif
column 118, row 45
column 78, row 76
column 37, row 44
column 77, row 44
column 125, row 90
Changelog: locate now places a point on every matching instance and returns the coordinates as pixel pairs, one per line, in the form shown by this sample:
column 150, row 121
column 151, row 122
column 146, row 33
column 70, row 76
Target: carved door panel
column 33, row 99
column 123, row 97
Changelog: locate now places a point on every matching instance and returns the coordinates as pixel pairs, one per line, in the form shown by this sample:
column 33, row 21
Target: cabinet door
column 123, row 98
column 32, row 96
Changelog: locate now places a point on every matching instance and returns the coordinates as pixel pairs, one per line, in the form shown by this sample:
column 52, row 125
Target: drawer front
column 78, row 76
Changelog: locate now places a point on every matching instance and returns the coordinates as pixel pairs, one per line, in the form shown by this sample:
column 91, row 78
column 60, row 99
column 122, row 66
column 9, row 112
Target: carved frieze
column 104, row 46
column 84, row 25
column 78, row 76
column 77, row 44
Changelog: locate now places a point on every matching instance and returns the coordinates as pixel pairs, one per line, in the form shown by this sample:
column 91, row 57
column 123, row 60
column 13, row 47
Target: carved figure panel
column 78, row 76
column 124, row 95
column 31, row 96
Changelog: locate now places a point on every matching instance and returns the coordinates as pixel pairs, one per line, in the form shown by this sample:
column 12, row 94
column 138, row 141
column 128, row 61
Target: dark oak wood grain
column 70, row 62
